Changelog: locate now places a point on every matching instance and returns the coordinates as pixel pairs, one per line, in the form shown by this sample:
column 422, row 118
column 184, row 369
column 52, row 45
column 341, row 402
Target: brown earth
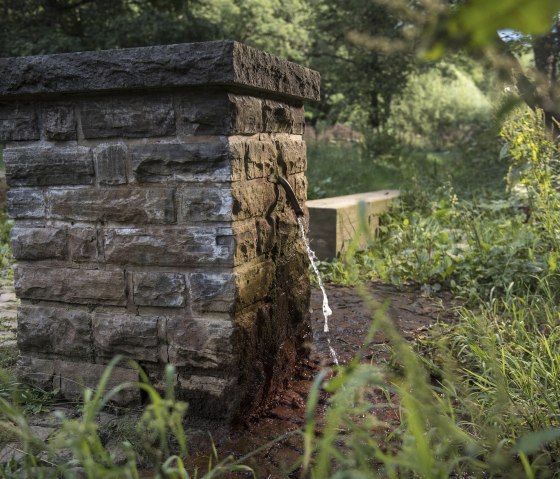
column 413, row 314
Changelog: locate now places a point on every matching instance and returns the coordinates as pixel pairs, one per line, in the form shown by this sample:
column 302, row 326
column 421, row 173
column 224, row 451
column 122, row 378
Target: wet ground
column 411, row 313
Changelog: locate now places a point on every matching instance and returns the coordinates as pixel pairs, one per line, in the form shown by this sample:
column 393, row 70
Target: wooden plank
column 335, row 222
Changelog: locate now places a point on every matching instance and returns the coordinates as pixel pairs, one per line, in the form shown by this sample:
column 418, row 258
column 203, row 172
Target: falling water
column 326, row 309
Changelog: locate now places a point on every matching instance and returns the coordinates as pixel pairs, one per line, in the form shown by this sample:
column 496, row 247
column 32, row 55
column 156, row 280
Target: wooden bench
column 334, row 222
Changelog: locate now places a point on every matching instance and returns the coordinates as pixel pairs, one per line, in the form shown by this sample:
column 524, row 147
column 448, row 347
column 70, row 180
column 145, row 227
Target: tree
column 356, row 74
column 48, row 26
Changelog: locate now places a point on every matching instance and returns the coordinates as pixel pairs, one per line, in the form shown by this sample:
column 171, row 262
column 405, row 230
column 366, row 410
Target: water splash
column 327, row 311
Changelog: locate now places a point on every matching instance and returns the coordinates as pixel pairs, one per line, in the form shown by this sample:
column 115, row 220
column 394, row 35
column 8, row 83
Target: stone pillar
column 146, row 223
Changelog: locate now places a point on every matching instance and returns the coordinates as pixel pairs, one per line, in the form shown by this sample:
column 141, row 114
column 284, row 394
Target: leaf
column 552, row 261
column 534, row 441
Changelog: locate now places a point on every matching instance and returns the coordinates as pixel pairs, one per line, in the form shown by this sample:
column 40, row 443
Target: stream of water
column 326, row 308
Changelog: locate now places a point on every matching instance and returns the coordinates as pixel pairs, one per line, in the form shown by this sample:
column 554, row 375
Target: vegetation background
column 453, row 102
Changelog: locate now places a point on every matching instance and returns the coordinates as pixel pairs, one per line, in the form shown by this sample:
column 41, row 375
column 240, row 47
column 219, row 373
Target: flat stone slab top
column 147, row 223
column 220, row 63
column 335, row 222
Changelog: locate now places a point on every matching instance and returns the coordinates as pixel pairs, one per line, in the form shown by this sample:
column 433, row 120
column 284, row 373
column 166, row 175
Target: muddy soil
column 411, row 313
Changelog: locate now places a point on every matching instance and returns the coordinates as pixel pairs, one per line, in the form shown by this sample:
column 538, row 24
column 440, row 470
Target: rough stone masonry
column 147, row 221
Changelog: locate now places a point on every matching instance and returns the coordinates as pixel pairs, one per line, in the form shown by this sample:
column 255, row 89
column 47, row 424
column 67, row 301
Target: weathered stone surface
column 49, row 166
column 111, row 164
column 200, row 343
column 59, row 122
column 54, row 331
column 75, row 376
column 18, row 122
column 282, row 118
column 159, row 289
column 218, row 113
column 254, row 282
column 202, row 112
column 37, row 371
column 135, row 206
column 133, row 336
column 186, row 246
column 293, row 155
column 128, row 117
column 26, row 203
column 82, row 286
column 254, row 198
column 82, row 244
column 190, row 64
column 260, row 158
column 203, row 161
column 38, row 243
column 246, row 241
column 209, row 396
column 205, row 203
column 212, row 291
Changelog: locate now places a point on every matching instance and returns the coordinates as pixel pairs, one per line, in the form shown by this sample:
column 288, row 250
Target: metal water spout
column 291, row 196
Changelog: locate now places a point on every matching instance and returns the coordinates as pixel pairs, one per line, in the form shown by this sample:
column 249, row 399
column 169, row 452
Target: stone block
column 80, row 286
column 121, row 205
column 189, row 64
column 254, row 283
column 260, row 158
column 208, row 396
column 75, row 376
column 254, row 198
column 37, row 371
column 186, row 246
column 26, row 203
column 203, row 113
column 49, row 166
column 159, row 289
column 82, row 244
column 135, row 337
column 18, row 122
column 280, row 117
column 179, row 162
column 204, row 203
column 246, row 241
column 200, row 343
column 57, row 331
column 59, row 122
column 212, row 291
column 38, row 243
column 293, row 154
column 110, row 161
column 141, row 116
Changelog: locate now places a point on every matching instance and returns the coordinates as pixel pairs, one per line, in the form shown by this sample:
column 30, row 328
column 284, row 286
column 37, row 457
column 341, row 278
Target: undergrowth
column 481, row 400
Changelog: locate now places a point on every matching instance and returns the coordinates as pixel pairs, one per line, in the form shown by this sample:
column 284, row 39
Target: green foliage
column 35, row 26
column 442, row 106
column 476, row 23
column 462, row 425
column 77, row 449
